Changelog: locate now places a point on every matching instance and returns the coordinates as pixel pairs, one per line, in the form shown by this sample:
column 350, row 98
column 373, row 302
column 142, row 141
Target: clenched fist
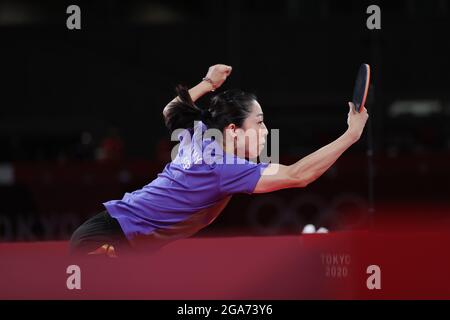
column 217, row 74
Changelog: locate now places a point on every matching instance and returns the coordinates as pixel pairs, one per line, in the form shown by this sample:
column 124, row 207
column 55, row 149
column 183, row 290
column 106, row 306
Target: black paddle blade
column 361, row 86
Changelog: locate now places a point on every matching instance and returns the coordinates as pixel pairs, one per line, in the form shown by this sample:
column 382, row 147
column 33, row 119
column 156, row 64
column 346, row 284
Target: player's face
column 252, row 137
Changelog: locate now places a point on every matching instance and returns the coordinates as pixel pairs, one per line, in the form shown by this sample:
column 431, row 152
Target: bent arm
column 307, row 169
column 195, row 92
column 216, row 76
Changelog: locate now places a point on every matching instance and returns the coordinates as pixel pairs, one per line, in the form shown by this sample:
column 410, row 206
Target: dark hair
column 231, row 106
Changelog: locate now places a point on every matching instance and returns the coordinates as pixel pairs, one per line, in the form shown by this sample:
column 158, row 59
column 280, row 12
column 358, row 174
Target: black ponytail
column 182, row 113
column 231, row 106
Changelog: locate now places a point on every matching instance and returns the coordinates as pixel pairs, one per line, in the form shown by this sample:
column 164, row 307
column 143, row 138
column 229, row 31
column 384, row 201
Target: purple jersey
column 188, row 194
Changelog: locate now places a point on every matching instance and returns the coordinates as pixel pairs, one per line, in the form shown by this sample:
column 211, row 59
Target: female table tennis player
column 191, row 192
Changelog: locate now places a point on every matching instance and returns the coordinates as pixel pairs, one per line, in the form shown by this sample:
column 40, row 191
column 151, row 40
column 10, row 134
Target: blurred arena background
column 81, row 122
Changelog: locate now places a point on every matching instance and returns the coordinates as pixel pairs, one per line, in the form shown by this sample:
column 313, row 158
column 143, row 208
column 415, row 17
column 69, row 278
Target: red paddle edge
column 366, row 89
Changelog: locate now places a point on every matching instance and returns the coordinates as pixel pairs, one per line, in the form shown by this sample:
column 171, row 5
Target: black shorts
column 99, row 230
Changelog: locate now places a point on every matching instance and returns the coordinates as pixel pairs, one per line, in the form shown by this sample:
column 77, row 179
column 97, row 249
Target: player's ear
column 231, row 129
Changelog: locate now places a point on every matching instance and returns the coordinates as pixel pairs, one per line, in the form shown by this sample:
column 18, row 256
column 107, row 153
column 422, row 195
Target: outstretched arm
column 311, row 167
column 216, row 76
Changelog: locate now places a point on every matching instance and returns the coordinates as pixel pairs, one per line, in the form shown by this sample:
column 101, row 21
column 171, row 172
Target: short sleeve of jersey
column 240, row 178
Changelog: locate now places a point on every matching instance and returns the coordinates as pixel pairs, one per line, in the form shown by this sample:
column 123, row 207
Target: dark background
column 80, row 110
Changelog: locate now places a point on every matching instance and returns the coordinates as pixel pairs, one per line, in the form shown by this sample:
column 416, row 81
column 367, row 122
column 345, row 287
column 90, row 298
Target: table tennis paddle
column 361, row 87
